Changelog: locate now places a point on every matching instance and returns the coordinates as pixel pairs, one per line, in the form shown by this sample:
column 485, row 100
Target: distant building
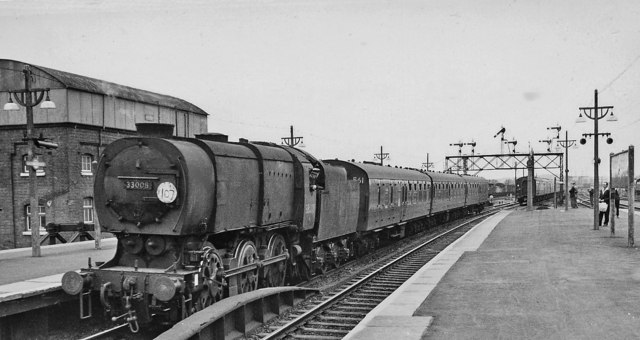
column 89, row 114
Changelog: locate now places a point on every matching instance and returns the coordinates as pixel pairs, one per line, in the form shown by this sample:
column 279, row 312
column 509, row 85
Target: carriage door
column 466, row 193
column 403, row 201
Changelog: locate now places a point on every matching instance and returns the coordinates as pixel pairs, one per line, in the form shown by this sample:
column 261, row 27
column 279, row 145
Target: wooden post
column 631, row 195
column 531, row 190
column 555, row 197
column 612, row 203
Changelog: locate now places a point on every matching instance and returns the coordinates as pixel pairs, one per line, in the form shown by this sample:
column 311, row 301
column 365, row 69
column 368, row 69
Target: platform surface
column 23, row 275
column 542, row 274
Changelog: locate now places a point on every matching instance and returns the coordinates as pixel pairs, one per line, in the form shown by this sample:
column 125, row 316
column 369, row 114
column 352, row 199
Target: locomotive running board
column 238, row 315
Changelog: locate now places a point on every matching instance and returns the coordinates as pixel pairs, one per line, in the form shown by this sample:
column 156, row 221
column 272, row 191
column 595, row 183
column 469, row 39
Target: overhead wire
column 608, row 85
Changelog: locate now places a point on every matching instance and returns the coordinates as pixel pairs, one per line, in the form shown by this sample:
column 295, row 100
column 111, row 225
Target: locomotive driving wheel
column 274, row 275
column 245, row 254
column 211, row 273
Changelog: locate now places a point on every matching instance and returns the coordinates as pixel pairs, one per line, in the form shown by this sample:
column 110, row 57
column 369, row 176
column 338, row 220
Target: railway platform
column 27, row 284
column 542, row 274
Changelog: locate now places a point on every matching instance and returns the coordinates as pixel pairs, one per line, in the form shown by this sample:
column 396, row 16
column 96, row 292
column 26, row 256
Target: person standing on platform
column 591, row 196
column 573, row 195
column 604, row 197
column 616, row 200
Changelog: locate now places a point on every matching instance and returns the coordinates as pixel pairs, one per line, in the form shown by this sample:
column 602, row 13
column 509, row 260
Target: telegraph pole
column 381, row 156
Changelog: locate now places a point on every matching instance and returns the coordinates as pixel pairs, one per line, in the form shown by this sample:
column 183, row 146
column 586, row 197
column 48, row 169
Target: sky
column 352, row 76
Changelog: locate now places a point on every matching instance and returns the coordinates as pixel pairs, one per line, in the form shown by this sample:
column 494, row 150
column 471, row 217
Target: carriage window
column 379, row 194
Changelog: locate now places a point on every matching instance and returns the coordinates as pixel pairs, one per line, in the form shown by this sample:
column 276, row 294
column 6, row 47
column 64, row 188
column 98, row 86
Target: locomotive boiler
column 200, row 219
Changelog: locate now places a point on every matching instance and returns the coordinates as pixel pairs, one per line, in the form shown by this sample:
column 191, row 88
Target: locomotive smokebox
column 158, row 130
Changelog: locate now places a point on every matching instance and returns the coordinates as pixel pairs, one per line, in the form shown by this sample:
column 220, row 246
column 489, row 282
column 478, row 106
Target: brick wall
column 63, row 187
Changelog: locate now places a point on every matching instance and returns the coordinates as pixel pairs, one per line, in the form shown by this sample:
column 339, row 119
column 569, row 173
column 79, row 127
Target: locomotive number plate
column 138, row 185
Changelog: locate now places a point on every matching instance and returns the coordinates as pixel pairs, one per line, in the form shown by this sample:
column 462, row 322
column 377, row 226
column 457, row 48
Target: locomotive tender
column 200, row 219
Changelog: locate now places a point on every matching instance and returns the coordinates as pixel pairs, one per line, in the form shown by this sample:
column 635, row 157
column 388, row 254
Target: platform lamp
column 566, row 144
column 292, row 140
column 30, row 97
column 595, row 113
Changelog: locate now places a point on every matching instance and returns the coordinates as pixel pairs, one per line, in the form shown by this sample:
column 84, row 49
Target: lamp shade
column 11, row 106
column 47, row 104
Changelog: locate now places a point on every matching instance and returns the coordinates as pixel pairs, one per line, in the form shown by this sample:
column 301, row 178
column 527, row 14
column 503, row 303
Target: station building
column 88, row 114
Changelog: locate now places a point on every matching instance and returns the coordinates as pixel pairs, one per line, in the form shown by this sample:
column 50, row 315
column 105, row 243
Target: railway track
column 583, row 200
column 626, row 206
column 335, row 313
column 107, row 333
column 367, row 290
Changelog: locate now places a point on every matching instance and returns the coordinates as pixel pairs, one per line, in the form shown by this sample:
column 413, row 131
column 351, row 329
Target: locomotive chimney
column 159, row 130
column 214, row 137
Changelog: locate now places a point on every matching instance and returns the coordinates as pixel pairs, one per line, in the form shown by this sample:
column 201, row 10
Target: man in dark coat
column 573, row 195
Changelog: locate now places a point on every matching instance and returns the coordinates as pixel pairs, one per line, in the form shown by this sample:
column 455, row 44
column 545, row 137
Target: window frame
column 87, row 210
column 42, row 216
column 83, row 163
column 24, row 170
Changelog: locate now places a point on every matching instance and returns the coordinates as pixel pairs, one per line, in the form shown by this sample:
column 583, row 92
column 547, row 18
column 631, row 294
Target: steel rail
column 283, row 330
column 105, row 332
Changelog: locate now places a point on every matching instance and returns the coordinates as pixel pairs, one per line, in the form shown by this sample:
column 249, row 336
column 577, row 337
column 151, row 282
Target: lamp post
column 566, row 144
column 428, row 164
column 292, row 141
column 29, row 98
column 381, row 156
column 595, row 113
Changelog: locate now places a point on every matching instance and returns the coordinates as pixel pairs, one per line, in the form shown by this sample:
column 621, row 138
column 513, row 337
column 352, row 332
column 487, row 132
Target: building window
column 25, row 168
column 86, row 161
column 87, row 210
column 42, row 218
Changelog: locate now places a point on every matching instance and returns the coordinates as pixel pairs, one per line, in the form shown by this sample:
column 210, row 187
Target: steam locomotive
column 201, row 219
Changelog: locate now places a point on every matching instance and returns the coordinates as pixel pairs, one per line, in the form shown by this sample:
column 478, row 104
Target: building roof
column 78, row 82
